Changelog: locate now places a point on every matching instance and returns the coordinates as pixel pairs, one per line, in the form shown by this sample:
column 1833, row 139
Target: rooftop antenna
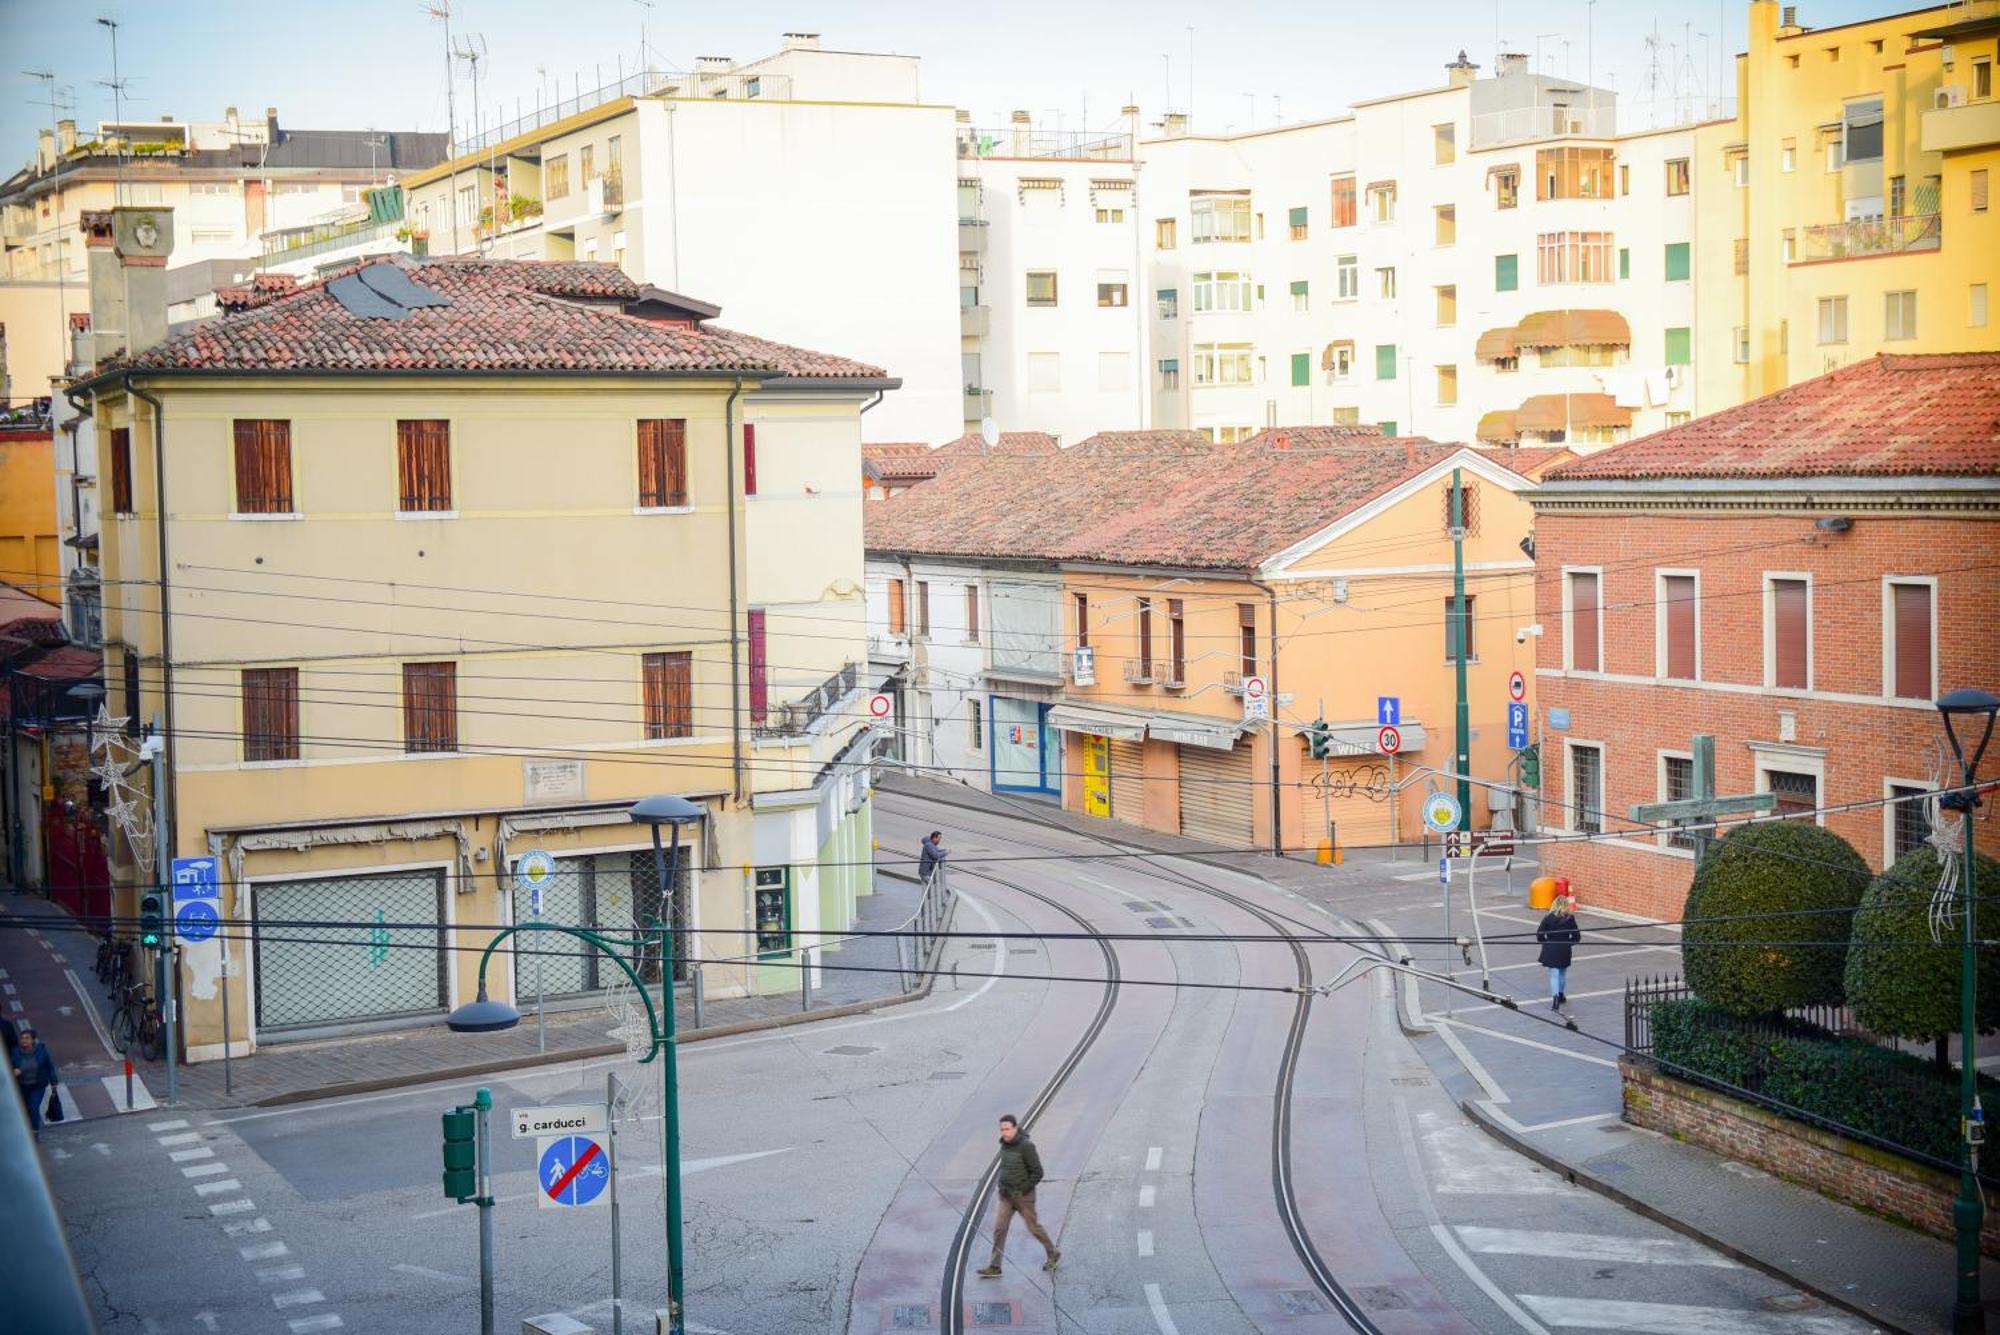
column 117, row 87
column 645, row 11
column 441, row 10
column 374, row 141
column 471, row 48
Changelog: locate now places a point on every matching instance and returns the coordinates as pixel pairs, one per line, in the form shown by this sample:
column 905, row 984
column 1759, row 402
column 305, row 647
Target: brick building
column 1800, row 576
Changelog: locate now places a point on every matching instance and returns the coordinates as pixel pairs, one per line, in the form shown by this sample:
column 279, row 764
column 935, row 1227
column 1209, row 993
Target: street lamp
column 1967, row 1315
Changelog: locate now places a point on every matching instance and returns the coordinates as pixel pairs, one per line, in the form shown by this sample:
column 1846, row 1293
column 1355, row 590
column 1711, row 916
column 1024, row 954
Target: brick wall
column 1843, row 727
column 1856, row 1174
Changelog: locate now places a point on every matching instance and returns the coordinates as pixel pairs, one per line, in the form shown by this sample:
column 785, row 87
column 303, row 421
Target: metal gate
column 600, row 892
column 364, row 968
column 1356, row 793
column 1128, row 781
column 79, row 874
column 1218, row 792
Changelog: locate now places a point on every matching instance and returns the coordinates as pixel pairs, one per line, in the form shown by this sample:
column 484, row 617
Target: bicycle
column 136, row 1019
column 119, row 966
column 106, row 944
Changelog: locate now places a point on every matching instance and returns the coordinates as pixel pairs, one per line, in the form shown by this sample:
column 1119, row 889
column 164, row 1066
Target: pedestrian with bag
column 1559, row 935
column 35, row 1073
column 1020, row 1172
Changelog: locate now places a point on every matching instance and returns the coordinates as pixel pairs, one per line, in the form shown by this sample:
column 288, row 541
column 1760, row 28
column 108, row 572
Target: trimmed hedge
column 1899, row 981
column 1772, row 867
column 1900, row 1100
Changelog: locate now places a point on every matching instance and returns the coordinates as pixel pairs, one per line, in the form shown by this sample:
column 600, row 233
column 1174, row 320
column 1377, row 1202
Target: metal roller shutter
column 1356, row 793
column 1128, row 783
column 373, row 970
column 1218, row 793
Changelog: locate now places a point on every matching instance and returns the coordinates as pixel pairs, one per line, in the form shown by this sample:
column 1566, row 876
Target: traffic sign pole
column 611, row 1154
column 483, row 1101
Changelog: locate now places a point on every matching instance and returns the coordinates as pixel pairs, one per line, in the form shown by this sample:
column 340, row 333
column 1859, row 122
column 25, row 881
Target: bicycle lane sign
column 572, row 1171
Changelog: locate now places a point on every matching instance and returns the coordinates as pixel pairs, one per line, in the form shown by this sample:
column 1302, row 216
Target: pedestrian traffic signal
column 1319, row 739
column 152, row 919
column 461, row 1155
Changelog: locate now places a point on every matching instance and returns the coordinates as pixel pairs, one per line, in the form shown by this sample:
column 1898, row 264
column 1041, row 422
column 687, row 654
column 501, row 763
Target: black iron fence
column 1642, row 994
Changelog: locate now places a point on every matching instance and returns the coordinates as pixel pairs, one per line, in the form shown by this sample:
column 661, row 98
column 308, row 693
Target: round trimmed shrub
column 1809, row 881
column 1902, row 983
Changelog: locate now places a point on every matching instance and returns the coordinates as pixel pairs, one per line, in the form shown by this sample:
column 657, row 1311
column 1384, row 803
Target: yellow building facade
column 1847, row 209
column 30, row 552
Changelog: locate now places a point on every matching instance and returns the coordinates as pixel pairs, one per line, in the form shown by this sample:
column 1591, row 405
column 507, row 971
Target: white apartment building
column 1485, row 260
column 808, row 193
column 1050, row 263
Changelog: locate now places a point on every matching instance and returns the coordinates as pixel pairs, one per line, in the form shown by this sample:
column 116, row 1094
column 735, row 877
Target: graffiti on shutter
column 1355, row 793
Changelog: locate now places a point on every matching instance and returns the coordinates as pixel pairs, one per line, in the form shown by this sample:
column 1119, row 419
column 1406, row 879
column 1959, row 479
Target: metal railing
column 301, row 242
column 797, row 717
column 1022, row 141
column 647, row 83
column 1871, row 236
column 1642, row 994
column 1139, row 671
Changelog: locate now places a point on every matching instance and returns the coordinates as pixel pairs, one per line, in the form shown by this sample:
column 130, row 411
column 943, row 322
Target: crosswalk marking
column 236, row 1228
column 204, row 1169
column 181, row 1138
column 178, row 1124
column 298, row 1298
column 232, row 1207
column 189, row 1156
column 1591, row 1247
column 217, row 1188
column 1681, row 1319
column 324, row 1321
column 278, row 1274
column 264, row 1251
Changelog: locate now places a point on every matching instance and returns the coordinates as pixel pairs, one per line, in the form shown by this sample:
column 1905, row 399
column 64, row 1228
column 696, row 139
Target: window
column 430, row 707
column 1784, row 336
column 1978, row 182
column 1586, row 788
column 1678, row 628
column 1584, row 632
column 1788, row 245
column 760, row 666
column 1445, row 224
column 1222, row 364
column 263, row 467
column 1739, row 167
column 1111, row 291
column 1624, row 178
column 1170, row 373
column 1347, row 277
column 1385, row 282
column 1797, row 793
column 1976, row 306
column 975, row 723
column 1861, row 124
column 1382, row 201
column 1339, row 359
column 1447, row 386
column 1677, row 176
column 1788, row 156
column 773, row 908
column 555, row 177
column 1246, row 638
column 270, row 714
column 1041, row 287
column 1507, row 189
column 1899, row 193
column 898, row 605
column 1982, row 79
column 1343, row 201
column 1458, row 630
column 1680, row 264
column 1081, row 601
column 1349, row 415
column 1574, row 257
column 663, row 463
column 586, row 164
column 1444, row 144
column 1111, row 215
column 923, row 609
column 1385, row 361
column 1680, row 346
column 1220, row 218
column 1169, row 303
column 749, row 459
column 1144, row 612
column 423, row 466
column 1387, row 426
column 1677, row 785
column 1164, row 233
column 1176, row 645
column 1222, row 292
column 1908, row 628
column 1899, row 315
column 1740, row 341
column 1833, row 319
column 1446, row 305
column 1788, row 643
column 1573, row 173
column 1679, row 418
column 1301, row 369
column 1297, row 220
column 1045, row 372
column 121, row 471
column 669, row 695
column 1624, row 262
column 1506, row 273
column 1909, row 819
column 1468, row 499
column 972, row 614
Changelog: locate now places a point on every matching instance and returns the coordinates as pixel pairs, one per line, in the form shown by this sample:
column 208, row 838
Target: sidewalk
column 1555, row 1094
column 34, row 961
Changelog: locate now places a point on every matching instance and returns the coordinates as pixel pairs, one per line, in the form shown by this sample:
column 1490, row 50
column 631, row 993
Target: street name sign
column 562, row 1119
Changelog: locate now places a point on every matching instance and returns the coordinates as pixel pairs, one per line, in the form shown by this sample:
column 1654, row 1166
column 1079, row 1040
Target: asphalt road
column 827, row 1165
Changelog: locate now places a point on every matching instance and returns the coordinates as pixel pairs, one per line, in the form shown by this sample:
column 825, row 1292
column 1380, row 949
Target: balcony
column 1173, row 676
column 1864, row 237
column 974, row 321
column 1139, row 671
column 971, row 236
column 797, row 717
column 1972, row 125
column 978, row 403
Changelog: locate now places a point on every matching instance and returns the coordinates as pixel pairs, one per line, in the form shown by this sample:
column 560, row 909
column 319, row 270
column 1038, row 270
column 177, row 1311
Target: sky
column 380, row 64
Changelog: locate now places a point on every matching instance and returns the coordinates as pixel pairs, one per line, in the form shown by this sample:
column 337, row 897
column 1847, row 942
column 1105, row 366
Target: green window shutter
column 1299, row 288
column 1506, row 273
column 1680, row 347
column 1386, row 428
column 1678, row 264
column 1385, row 361
column 1301, row 368
column 1298, row 217
column 1624, row 262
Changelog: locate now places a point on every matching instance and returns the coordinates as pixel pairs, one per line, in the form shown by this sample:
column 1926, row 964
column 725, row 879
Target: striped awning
column 1571, row 329
column 1498, row 426
column 1495, row 344
column 1568, row 412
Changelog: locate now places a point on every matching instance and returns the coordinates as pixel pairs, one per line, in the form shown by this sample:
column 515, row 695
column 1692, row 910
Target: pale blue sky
column 349, row 64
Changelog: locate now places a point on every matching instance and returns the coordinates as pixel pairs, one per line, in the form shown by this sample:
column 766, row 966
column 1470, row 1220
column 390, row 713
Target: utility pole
column 1461, row 633
column 167, row 973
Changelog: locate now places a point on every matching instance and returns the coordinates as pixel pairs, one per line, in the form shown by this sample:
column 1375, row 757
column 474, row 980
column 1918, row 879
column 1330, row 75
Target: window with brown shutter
column 760, row 668
column 898, row 612
column 263, row 467
column 1791, row 634
column 1910, row 655
column 133, row 719
column 923, row 609
column 1677, row 596
column 430, row 707
column 423, row 465
column 669, row 695
column 1176, row 644
column 1082, row 620
column 972, row 614
column 1146, row 638
column 663, row 463
column 1584, row 633
column 270, row 714
column 1246, row 635
column 121, row 471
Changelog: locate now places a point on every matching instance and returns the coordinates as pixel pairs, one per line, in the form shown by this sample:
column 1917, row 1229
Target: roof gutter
column 166, row 607
column 1271, row 694
column 766, row 378
column 737, row 704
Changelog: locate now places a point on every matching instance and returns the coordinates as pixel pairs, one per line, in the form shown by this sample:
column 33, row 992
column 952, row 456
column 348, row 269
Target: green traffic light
column 461, row 1180
column 152, row 920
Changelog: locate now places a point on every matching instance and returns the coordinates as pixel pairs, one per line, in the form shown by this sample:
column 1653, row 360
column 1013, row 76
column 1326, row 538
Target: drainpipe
column 736, row 702
column 1277, row 807
column 166, row 607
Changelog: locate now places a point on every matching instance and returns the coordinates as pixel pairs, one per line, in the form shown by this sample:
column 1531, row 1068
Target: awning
column 1329, row 352
column 1188, row 731
column 1381, row 185
column 1495, row 344
column 1359, row 740
column 1559, row 412
column 1570, row 329
column 1499, row 167
column 1100, row 722
column 1498, row 426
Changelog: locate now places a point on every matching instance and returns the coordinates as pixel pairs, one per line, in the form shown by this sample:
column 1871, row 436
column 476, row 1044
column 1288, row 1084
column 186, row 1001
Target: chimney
column 1175, row 124
column 1461, row 72
column 1789, row 17
column 1511, row 63
column 79, row 342
column 128, row 249
column 1024, row 132
column 1130, row 114
column 66, row 137
column 1410, row 452
column 801, row 41
column 711, row 64
column 271, row 124
column 107, row 286
column 45, row 150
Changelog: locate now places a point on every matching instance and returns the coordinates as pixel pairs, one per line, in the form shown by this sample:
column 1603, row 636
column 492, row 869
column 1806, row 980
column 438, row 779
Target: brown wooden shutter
column 1176, row 643
column 1146, row 638
column 663, row 462
column 1679, row 591
column 1913, row 641
column 423, row 457
column 669, row 695
column 760, row 679
column 270, row 714
column 924, row 608
column 972, row 613
column 263, row 467
column 1583, row 614
column 430, row 707
column 1790, row 633
column 896, row 610
column 121, row 470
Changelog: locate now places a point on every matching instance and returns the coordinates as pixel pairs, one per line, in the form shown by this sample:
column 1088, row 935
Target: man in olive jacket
column 1020, row 1171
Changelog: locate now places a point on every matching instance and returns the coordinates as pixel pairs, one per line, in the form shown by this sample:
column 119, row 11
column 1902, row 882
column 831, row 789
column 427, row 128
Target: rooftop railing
column 723, row 85
column 1020, row 141
column 1871, row 236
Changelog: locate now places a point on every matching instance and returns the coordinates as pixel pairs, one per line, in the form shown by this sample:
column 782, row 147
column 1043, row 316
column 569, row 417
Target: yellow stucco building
column 30, row 556
column 1847, row 209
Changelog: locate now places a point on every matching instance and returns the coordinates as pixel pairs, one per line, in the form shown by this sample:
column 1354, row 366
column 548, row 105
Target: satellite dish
column 989, row 431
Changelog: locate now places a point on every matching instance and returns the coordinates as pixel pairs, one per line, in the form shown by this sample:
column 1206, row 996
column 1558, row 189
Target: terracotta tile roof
column 1562, row 412
column 498, row 315
column 972, row 446
column 899, row 461
column 1531, row 461
column 1227, row 509
column 27, row 618
column 1163, row 440
column 1315, row 437
column 1889, row 416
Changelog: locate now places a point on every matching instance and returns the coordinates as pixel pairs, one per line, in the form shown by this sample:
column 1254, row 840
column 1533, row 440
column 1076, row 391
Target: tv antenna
column 117, row 87
column 470, row 48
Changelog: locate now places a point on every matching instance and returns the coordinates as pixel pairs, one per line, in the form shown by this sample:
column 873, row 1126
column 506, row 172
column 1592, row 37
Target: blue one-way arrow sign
column 1388, row 711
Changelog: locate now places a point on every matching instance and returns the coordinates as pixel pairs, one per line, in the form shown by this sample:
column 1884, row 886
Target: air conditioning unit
column 1948, row 95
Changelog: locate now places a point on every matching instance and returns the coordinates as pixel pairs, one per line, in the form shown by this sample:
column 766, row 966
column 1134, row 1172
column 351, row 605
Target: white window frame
column 1771, row 631
column 1664, row 839
column 1572, row 805
column 1768, row 756
column 1889, row 634
column 1660, row 574
column 1569, row 619
column 1889, row 786
column 1347, row 277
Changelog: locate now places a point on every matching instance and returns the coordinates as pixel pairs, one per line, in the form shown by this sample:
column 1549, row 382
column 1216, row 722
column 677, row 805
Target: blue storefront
column 1025, row 753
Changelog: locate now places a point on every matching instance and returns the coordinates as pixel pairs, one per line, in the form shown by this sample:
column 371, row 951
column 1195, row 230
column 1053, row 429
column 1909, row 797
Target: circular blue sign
column 562, row 1181
column 196, row 921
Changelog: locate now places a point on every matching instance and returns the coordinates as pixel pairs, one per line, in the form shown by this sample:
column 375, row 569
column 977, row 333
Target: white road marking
column 1582, row 958
column 217, row 1188
column 324, row 1321
column 236, row 1228
column 1486, row 1286
column 1145, row 1242
column 297, row 1298
column 15, row 1006
column 279, row 1274
column 1161, row 1317
column 8, row 988
column 999, row 955
column 427, row 1273
column 1471, row 1064
column 232, row 1207
column 181, row 1138
column 1153, row 1156
column 264, row 1251
column 189, row 1156
column 1146, row 1198
column 205, row 1170
column 1591, row 1247
column 1528, row 1042
column 59, row 1154
column 1499, row 1115
column 176, row 1125
column 1574, row 996
column 1466, row 1161
column 142, row 1098
column 1681, row 1319
column 90, row 1011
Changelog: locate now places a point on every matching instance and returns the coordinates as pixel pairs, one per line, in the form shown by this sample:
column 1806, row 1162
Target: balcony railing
column 1139, row 671
column 1871, row 236
column 797, row 717
column 1021, row 141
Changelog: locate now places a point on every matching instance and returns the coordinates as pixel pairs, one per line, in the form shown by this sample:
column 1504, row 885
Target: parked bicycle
column 114, row 965
column 136, row 1020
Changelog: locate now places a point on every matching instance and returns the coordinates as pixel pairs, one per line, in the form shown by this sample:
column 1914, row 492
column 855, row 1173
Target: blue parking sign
column 1517, row 725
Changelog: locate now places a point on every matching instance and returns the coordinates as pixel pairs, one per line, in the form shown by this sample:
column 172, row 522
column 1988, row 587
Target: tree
column 1901, row 981
column 1762, row 885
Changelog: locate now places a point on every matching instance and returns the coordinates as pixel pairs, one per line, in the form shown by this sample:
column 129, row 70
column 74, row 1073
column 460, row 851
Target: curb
column 1578, row 1177
column 1409, row 1014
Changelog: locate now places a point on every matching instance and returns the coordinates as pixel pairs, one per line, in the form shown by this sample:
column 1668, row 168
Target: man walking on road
column 1020, row 1171
column 930, row 856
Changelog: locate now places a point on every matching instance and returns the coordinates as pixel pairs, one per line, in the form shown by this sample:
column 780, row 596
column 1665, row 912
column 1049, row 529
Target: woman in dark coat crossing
column 1558, row 934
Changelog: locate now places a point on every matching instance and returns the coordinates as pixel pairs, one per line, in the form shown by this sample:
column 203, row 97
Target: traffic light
column 1319, row 740
column 461, row 1155
column 153, row 919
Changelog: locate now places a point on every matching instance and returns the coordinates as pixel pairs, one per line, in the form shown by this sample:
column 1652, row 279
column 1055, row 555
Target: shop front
column 1026, row 751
